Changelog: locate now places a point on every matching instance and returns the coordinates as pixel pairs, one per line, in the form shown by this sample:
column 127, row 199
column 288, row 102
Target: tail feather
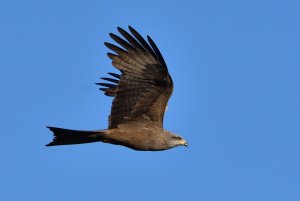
column 66, row 136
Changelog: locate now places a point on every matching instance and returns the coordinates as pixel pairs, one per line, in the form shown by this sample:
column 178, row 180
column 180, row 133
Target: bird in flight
column 140, row 95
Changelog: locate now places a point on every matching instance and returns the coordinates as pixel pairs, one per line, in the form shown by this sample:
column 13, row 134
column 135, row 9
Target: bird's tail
column 66, row 137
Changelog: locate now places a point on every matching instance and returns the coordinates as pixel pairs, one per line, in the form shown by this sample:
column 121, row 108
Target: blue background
column 236, row 70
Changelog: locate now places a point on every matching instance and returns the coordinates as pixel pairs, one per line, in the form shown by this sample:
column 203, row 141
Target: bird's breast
column 145, row 139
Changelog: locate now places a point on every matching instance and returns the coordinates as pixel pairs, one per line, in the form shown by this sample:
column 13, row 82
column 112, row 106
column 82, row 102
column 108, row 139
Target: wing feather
column 141, row 40
column 143, row 88
column 129, row 38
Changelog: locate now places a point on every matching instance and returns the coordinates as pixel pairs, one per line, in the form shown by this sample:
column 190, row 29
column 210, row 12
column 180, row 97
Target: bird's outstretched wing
column 144, row 87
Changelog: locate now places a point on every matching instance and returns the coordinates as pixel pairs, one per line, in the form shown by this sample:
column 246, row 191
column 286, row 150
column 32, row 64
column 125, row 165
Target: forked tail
column 66, row 136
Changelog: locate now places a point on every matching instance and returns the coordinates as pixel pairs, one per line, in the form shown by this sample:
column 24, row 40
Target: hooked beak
column 185, row 143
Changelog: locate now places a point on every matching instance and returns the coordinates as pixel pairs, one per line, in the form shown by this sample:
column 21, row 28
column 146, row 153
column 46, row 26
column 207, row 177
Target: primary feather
column 144, row 86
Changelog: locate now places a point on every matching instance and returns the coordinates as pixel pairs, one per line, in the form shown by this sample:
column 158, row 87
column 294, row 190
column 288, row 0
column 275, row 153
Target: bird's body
column 135, row 135
column 140, row 92
column 140, row 137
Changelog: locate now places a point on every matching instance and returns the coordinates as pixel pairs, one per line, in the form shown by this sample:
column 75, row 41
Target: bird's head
column 176, row 140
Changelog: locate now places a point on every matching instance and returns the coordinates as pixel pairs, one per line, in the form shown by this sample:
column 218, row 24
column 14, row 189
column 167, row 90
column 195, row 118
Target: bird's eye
column 176, row 137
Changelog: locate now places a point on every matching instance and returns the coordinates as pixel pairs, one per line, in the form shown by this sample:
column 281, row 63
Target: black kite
column 140, row 92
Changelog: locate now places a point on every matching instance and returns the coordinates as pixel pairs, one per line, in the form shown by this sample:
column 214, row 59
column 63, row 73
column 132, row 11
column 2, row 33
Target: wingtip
column 121, row 30
column 110, row 80
column 131, row 29
column 112, row 35
column 106, row 44
column 111, row 55
column 115, row 75
column 149, row 38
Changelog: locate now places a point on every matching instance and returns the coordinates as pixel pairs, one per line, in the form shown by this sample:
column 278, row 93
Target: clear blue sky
column 236, row 70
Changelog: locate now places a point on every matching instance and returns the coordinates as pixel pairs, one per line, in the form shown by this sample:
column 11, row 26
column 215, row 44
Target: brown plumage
column 141, row 93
